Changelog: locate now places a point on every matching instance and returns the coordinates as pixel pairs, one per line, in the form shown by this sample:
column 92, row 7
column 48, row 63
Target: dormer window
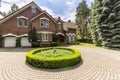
column 59, row 25
column 33, row 10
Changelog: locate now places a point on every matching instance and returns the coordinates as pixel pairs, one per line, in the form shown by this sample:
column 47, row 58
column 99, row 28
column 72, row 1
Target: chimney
column 69, row 21
column 59, row 18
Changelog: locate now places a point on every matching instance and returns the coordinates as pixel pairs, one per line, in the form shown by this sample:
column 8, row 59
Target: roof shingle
column 69, row 25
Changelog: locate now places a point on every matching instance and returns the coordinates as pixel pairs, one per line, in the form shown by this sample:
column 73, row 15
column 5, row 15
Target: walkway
column 98, row 64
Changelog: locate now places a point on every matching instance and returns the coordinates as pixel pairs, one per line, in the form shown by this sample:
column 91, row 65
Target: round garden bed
column 53, row 57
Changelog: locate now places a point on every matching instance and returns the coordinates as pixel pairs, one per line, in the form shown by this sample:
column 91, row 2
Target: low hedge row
column 52, row 63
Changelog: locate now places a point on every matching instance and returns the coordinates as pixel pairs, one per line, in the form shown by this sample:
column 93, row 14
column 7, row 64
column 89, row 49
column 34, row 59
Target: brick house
column 19, row 23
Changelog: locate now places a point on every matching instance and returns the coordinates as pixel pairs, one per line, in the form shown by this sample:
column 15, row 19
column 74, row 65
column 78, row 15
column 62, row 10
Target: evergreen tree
column 14, row 8
column 33, row 39
column 82, row 17
column 95, row 23
column 105, row 21
column 1, row 40
column 115, row 24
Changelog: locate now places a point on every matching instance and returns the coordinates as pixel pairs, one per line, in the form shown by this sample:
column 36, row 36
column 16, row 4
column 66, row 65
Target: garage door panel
column 10, row 42
column 25, row 42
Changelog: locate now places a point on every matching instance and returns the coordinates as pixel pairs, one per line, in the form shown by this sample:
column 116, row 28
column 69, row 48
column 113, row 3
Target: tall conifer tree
column 105, row 21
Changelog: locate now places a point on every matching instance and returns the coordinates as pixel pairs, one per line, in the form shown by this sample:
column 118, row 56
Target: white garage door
column 25, row 42
column 10, row 42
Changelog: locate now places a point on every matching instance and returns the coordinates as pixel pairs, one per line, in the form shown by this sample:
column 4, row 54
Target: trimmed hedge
column 85, row 40
column 52, row 63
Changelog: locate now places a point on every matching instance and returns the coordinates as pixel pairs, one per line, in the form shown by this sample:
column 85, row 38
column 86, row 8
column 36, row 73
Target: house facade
column 21, row 22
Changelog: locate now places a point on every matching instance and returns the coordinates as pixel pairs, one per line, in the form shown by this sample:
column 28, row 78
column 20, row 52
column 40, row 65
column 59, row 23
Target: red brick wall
column 10, row 26
column 36, row 24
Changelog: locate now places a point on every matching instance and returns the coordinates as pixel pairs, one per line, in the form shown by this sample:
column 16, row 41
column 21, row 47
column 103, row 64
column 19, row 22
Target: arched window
column 22, row 21
column 44, row 22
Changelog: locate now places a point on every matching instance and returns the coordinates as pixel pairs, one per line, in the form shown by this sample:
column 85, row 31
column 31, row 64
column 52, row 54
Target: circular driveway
column 97, row 64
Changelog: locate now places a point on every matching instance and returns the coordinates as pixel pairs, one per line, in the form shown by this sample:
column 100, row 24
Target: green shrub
column 54, row 44
column 72, row 43
column 85, row 40
column 35, row 44
column 54, row 37
column 18, row 42
column 1, row 40
column 52, row 63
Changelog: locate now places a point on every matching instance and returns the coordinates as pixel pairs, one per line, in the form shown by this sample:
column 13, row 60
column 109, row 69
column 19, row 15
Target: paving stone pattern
column 97, row 64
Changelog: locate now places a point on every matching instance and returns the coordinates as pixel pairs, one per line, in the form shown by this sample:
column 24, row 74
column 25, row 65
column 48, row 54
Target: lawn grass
column 58, row 53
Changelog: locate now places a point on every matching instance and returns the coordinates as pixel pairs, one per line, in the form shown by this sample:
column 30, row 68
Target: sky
column 66, row 9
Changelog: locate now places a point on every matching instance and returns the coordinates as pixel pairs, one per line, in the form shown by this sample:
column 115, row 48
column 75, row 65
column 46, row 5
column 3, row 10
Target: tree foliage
column 0, row 38
column 105, row 23
column 82, row 18
column 14, row 8
column 33, row 39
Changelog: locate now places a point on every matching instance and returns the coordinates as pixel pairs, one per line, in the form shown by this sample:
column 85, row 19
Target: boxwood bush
column 52, row 63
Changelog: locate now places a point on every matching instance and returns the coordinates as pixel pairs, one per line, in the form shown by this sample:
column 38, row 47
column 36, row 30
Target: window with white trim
column 33, row 10
column 73, row 38
column 25, row 23
column 45, row 37
column 19, row 23
column 41, row 23
column 46, row 24
column 59, row 25
column 69, row 38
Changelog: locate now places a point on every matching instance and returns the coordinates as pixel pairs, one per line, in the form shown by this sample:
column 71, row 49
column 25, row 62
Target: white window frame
column 73, row 38
column 69, row 38
column 45, row 37
column 59, row 26
column 18, row 23
column 41, row 22
column 33, row 10
column 24, row 23
column 47, row 23
column 44, row 23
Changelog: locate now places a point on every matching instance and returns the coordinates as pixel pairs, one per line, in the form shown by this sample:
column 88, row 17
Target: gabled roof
column 44, row 12
column 69, row 25
column 20, row 10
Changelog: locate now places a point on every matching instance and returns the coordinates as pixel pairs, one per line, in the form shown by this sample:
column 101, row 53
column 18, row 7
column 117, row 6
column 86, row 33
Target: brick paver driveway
column 98, row 64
